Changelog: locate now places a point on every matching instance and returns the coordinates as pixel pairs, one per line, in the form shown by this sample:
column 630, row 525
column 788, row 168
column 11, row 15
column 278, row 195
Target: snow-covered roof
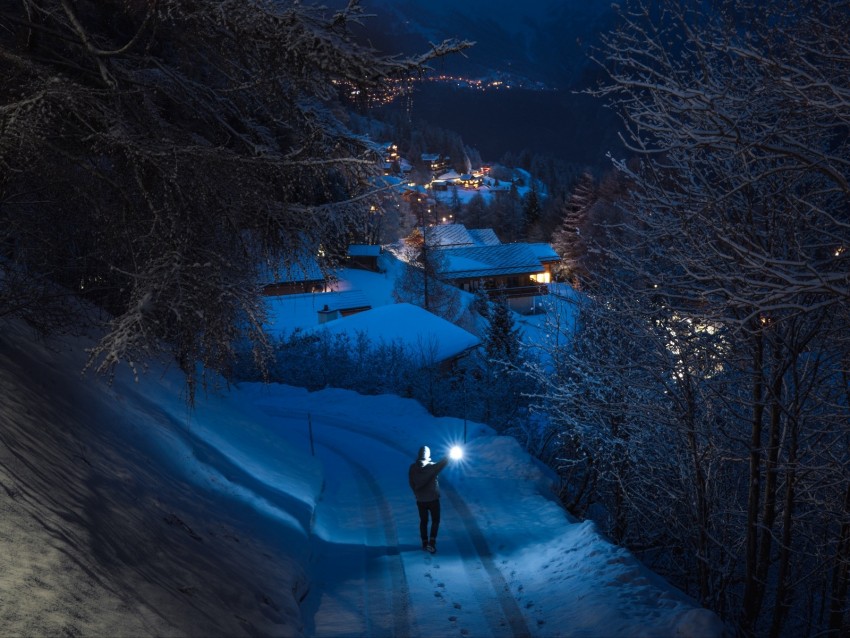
column 452, row 235
column 484, row 237
column 344, row 300
column 545, row 252
column 420, row 331
column 419, row 189
column 288, row 312
column 489, row 261
column 304, row 268
column 448, row 235
column 451, row 176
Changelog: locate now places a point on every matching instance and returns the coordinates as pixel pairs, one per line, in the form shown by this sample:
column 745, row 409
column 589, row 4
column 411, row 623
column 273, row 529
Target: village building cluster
column 470, row 259
column 442, row 174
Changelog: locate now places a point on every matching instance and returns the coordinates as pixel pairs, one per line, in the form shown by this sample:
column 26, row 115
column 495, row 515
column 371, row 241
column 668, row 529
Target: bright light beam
column 456, row 453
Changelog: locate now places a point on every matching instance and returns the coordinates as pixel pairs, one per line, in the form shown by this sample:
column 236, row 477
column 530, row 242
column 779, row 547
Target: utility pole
column 425, row 266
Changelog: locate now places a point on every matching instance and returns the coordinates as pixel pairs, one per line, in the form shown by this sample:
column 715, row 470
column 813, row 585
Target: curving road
column 372, row 597
column 370, row 576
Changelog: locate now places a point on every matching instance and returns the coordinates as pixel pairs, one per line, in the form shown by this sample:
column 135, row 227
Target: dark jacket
column 423, row 479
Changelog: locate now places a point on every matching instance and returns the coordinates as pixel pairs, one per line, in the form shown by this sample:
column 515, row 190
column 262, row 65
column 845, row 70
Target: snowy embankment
column 124, row 514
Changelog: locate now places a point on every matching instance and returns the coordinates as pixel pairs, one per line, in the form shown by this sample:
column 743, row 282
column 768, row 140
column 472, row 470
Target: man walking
column 423, row 481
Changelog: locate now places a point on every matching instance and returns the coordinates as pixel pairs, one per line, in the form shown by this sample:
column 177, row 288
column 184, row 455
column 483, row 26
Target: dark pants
column 424, row 508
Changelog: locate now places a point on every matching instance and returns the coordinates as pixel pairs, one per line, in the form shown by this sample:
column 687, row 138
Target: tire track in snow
column 510, row 609
column 377, row 513
column 507, row 604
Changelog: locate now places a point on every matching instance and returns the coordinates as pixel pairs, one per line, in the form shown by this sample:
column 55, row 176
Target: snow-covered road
column 392, row 587
column 510, row 562
column 359, row 586
column 125, row 514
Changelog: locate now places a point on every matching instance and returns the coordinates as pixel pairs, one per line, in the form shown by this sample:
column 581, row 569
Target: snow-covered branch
column 169, row 131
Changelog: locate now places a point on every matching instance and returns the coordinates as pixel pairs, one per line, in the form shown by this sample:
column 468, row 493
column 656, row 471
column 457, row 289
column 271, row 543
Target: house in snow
column 475, row 258
column 458, row 235
column 471, row 180
column 548, row 256
column 343, row 303
column 435, row 162
column 448, row 236
column 308, row 310
column 364, row 256
column 427, row 338
column 299, row 275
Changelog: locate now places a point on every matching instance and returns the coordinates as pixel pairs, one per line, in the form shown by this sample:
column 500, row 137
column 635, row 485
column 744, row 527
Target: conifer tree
column 568, row 239
column 501, row 387
column 502, row 341
column 531, row 210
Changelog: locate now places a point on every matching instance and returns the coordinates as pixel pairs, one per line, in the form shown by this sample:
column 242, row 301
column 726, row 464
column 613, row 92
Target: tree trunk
column 841, row 573
column 701, row 514
column 751, row 586
column 784, row 589
column 841, row 569
column 771, row 473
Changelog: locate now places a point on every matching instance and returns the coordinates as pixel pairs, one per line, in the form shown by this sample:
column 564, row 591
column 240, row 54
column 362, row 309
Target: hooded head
column 424, row 453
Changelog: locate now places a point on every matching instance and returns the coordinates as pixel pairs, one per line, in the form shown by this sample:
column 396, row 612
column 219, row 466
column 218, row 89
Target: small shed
column 364, row 256
column 290, row 312
column 335, row 305
column 294, row 277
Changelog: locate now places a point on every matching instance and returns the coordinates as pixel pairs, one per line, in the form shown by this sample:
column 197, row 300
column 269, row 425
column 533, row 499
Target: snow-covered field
column 124, row 514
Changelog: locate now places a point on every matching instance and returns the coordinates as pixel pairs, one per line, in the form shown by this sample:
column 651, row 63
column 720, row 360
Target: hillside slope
column 545, row 41
column 273, row 511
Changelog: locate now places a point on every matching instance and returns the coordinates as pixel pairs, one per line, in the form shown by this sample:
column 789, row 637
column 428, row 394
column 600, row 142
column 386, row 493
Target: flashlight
column 456, row 452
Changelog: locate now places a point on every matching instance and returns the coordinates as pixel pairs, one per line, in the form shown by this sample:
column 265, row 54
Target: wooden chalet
column 475, row 258
column 548, row 256
column 335, row 305
column 435, row 162
column 290, row 278
column 364, row 256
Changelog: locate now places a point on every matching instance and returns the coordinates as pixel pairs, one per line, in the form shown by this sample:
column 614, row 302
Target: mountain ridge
column 544, row 42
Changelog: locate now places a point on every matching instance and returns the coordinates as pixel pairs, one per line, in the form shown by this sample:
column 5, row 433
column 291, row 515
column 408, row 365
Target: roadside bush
column 317, row 360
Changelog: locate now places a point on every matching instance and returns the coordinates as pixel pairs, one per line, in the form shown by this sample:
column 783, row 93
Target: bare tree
column 708, row 371
column 155, row 154
column 421, row 282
